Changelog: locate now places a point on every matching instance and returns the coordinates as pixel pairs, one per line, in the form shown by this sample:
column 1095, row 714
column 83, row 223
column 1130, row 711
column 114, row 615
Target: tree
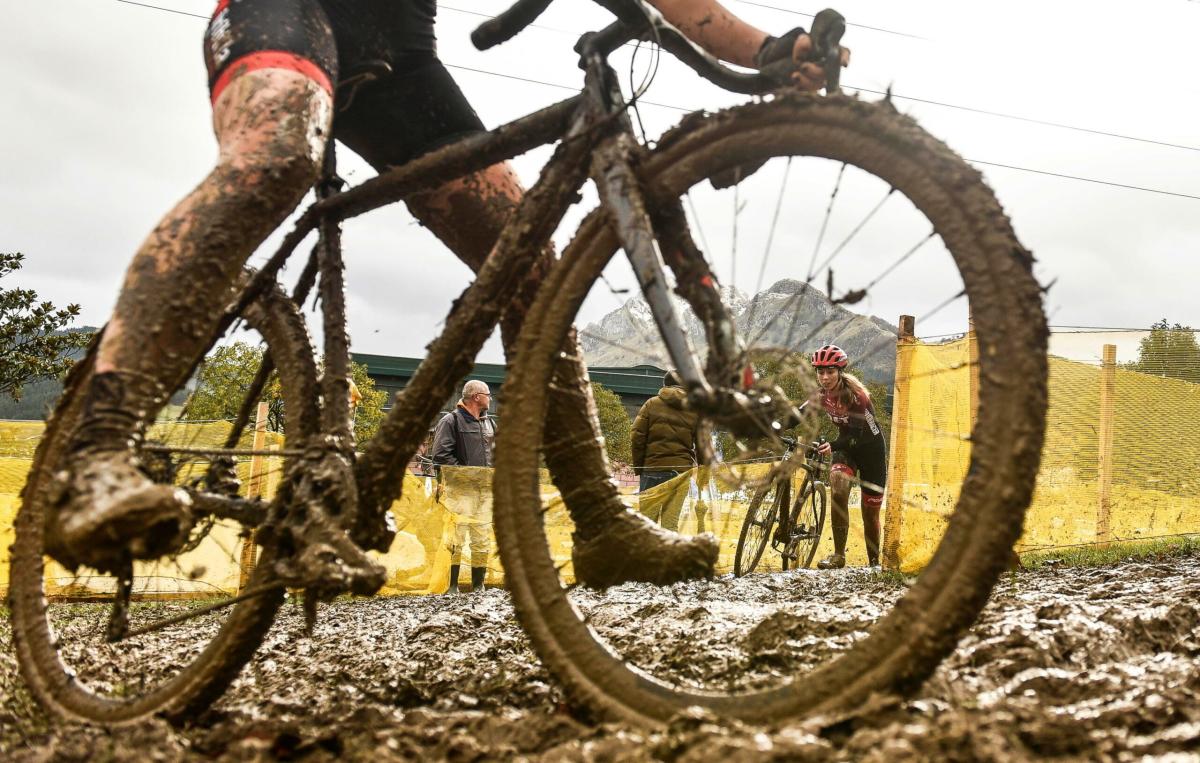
column 32, row 344
column 614, row 423
column 1169, row 351
column 225, row 377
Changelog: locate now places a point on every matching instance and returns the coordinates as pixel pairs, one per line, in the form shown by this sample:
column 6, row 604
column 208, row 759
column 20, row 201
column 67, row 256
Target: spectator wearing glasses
column 465, row 437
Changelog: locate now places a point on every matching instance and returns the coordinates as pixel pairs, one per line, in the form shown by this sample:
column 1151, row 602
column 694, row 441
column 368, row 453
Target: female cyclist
column 859, row 449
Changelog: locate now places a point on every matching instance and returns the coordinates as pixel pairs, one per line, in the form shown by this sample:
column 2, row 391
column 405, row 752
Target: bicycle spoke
column 825, row 224
column 850, row 237
column 636, row 351
column 762, row 268
column 201, row 611
column 695, row 223
column 913, row 250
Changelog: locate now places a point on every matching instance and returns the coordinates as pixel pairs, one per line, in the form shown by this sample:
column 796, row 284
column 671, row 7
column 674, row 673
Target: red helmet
column 830, row 356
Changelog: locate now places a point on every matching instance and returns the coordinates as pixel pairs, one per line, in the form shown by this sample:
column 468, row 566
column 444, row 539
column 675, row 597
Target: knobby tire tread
column 198, row 684
column 746, row 567
column 907, row 644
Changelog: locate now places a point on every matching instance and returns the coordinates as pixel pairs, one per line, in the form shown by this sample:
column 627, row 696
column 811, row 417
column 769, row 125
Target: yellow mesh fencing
column 1120, row 464
column 439, row 522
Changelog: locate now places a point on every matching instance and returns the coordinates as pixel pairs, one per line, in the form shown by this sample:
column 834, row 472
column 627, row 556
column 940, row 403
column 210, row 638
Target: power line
column 891, row 94
column 848, row 23
column 1085, row 180
column 1017, row 168
column 572, row 88
column 1031, row 120
column 168, row 10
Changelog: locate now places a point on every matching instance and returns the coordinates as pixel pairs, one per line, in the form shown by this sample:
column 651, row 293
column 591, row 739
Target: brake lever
column 826, row 35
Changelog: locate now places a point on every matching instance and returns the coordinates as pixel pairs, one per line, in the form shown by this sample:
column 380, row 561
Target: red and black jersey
column 855, row 422
column 859, row 447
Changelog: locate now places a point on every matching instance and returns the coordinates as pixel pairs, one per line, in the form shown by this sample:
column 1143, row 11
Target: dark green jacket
column 664, row 434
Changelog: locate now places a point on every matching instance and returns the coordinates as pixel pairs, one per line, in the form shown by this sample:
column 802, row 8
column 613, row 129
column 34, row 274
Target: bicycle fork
column 622, row 195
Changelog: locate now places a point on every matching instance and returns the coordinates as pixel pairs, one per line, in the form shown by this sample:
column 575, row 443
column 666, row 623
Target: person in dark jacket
column 465, row 437
column 664, row 446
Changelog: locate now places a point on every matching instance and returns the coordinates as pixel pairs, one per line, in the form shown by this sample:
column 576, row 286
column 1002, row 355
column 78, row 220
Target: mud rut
column 1080, row 663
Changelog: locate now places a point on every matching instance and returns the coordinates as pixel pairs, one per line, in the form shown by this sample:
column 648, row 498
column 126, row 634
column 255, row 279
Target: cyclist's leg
column 873, row 473
column 271, row 115
column 414, row 111
column 840, row 475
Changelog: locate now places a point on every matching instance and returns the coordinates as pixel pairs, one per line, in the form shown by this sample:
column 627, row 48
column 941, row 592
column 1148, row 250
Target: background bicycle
column 791, row 526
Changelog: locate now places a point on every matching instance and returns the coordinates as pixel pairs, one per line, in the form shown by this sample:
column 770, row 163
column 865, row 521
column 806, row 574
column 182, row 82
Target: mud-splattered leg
column 871, row 529
column 271, row 126
column 578, row 466
column 839, row 517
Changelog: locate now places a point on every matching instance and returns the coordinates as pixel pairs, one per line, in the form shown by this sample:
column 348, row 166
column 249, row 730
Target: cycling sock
column 871, row 530
column 115, row 408
column 839, row 522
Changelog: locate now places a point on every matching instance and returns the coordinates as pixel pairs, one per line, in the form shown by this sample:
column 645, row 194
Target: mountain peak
column 789, row 313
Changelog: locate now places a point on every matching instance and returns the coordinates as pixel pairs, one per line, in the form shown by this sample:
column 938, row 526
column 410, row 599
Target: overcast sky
column 108, row 123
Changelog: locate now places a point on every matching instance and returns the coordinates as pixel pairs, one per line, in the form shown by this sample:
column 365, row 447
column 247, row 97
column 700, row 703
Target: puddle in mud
column 1082, row 663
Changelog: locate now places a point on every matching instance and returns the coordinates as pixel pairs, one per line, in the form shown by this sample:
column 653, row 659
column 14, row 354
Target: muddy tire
column 809, row 511
column 758, row 526
column 199, row 682
column 908, row 643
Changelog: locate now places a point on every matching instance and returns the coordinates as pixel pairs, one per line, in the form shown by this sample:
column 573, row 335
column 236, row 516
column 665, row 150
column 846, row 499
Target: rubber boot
column 109, row 507
column 477, row 576
column 839, row 521
column 871, row 530
column 454, row 568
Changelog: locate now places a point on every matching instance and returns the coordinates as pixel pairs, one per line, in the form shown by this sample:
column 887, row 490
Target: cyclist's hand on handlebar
column 809, row 75
column 824, row 449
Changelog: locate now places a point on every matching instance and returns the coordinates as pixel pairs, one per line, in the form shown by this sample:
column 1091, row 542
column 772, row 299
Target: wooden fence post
column 893, row 518
column 1108, row 393
column 254, row 489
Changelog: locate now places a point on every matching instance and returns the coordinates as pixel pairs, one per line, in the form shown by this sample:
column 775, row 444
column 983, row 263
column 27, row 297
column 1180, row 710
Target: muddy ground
column 1082, row 663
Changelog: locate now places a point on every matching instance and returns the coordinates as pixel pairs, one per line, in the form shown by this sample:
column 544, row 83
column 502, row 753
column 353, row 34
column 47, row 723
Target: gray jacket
column 460, row 439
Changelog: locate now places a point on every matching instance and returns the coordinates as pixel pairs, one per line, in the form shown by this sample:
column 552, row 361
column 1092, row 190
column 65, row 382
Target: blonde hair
column 850, row 389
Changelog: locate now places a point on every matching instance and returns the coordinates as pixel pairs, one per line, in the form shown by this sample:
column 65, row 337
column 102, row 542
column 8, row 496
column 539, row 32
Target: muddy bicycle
column 792, row 528
column 331, row 505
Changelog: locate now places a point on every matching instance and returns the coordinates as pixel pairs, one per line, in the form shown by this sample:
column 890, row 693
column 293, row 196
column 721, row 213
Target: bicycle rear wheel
column 58, row 629
column 808, row 520
column 764, row 509
column 1006, row 441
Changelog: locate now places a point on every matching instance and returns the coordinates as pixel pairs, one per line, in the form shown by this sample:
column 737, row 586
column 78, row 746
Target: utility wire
column 891, row 94
column 1085, row 180
column 1031, row 120
column 572, row 88
column 168, row 10
column 848, row 23
column 1048, row 173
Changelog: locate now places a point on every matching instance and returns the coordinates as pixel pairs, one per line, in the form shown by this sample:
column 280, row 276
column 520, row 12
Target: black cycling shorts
column 389, row 120
column 869, row 460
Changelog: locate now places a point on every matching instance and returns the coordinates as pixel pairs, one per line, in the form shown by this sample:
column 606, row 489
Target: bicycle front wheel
column 197, row 637
column 808, row 520
column 954, row 206
column 765, row 507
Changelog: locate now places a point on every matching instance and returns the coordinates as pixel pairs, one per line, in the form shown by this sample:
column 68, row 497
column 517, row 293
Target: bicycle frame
column 596, row 140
